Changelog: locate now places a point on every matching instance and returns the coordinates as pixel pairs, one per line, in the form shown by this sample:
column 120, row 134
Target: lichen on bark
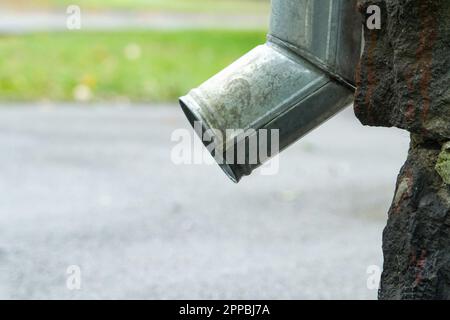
column 443, row 163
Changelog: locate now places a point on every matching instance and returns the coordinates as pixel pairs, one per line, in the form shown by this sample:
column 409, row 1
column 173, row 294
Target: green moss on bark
column 443, row 163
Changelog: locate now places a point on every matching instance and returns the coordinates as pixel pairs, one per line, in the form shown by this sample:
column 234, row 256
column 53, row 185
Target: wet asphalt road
column 95, row 187
column 17, row 22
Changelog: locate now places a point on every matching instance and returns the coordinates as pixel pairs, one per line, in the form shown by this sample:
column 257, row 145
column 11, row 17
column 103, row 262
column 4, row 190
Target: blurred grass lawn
column 221, row 6
column 134, row 65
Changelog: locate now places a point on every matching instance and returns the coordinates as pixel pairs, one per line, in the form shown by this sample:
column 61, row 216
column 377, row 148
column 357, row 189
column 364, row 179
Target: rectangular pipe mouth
column 189, row 107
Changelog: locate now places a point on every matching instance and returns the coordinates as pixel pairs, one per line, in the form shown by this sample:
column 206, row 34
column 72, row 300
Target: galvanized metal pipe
column 301, row 77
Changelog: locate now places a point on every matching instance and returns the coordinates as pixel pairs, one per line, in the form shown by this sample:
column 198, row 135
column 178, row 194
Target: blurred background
column 125, row 51
column 86, row 177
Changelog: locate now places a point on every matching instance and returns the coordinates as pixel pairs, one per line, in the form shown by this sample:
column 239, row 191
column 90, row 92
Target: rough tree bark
column 404, row 81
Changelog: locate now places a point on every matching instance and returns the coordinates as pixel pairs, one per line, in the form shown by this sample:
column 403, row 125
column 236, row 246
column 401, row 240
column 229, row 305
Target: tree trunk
column 404, row 81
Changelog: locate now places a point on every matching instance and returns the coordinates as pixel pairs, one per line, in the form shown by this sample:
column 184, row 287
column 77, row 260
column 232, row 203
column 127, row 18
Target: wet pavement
column 95, row 187
column 13, row 22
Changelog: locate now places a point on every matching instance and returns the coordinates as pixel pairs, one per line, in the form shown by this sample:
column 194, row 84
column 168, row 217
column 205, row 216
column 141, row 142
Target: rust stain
column 424, row 55
column 410, row 109
column 419, row 266
column 371, row 75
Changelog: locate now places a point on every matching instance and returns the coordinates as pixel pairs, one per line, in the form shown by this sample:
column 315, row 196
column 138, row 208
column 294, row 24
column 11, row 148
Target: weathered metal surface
column 327, row 32
column 301, row 77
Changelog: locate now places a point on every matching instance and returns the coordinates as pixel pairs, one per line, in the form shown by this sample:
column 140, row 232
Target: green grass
column 227, row 6
column 51, row 66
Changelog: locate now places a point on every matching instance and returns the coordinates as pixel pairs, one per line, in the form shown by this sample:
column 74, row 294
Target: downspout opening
column 193, row 117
